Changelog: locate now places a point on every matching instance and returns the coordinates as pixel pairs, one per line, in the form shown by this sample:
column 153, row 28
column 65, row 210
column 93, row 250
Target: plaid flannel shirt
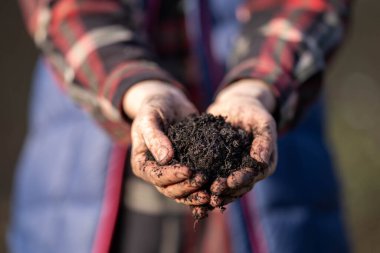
column 97, row 51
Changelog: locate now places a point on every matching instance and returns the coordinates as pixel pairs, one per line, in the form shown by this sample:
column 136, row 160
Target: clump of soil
column 210, row 145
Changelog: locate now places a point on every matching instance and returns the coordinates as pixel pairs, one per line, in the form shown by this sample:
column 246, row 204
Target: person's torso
column 192, row 39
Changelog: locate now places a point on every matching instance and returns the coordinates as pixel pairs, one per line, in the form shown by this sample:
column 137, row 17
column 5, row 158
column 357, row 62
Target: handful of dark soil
column 210, row 145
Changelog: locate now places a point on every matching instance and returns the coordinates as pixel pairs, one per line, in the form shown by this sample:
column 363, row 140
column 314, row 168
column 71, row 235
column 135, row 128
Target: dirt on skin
column 210, row 145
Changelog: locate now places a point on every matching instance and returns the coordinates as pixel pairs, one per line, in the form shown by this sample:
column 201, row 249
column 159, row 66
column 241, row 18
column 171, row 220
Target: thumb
column 265, row 137
column 155, row 139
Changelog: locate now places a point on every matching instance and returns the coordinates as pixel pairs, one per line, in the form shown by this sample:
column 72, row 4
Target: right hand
column 153, row 105
column 247, row 104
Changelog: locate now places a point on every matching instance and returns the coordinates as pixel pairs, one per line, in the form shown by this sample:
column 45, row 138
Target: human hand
column 152, row 105
column 246, row 104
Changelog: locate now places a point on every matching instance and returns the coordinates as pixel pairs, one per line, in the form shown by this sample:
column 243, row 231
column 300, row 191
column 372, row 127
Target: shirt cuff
column 110, row 115
column 281, row 83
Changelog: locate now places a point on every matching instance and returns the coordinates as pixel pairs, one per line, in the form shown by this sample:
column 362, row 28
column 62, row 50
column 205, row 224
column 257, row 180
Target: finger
column 241, row 178
column 265, row 136
column 163, row 175
column 217, row 201
column 240, row 192
column 219, row 186
column 195, row 199
column 185, row 187
column 199, row 212
column 155, row 139
column 220, row 202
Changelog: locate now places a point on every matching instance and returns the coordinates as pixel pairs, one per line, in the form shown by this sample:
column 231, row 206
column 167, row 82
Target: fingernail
column 162, row 154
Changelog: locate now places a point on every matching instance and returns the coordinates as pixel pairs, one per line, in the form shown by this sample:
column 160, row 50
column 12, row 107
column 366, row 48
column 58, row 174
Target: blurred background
column 353, row 97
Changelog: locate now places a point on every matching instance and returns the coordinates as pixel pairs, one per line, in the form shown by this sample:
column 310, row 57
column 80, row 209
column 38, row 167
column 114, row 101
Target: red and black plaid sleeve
column 286, row 43
column 96, row 52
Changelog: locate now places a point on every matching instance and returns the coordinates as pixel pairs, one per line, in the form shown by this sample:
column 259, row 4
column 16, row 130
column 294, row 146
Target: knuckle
column 154, row 174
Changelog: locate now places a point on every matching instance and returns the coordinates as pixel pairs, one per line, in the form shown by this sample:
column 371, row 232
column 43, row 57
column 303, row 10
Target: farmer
column 134, row 66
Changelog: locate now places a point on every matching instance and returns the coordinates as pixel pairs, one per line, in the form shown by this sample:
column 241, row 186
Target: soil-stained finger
column 226, row 201
column 219, row 186
column 217, row 201
column 138, row 152
column 264, row 142
column 240, row 192
column 185, row 187
column 195, row 199
column 199, row 212
column 164, row 175
column 155, row 139
column 241, row 178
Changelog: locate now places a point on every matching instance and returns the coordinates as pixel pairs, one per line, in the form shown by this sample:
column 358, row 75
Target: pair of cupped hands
column 152, row 105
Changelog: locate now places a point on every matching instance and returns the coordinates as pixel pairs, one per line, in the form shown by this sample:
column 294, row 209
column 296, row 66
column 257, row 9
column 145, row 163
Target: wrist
column 143, row 91
column 252, row 88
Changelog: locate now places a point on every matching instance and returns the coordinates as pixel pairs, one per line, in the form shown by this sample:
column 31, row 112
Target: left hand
column 153, row 104
column 247, row 104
